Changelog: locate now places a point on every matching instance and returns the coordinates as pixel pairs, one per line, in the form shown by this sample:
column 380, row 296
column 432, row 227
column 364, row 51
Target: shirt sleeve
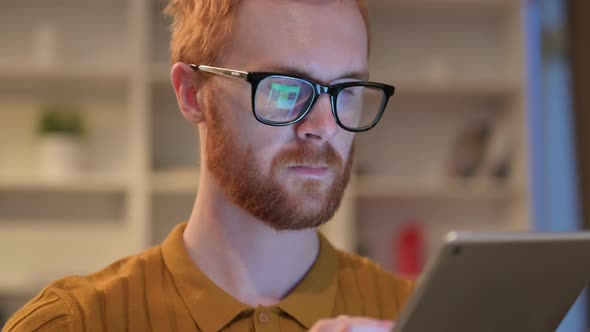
column 47, row 312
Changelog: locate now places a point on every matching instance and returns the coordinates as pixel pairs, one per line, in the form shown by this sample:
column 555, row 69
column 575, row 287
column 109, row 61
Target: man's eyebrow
column 300, row 73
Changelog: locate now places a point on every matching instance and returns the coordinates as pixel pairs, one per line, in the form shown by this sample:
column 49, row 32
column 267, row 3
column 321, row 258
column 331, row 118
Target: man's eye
column 352, row 92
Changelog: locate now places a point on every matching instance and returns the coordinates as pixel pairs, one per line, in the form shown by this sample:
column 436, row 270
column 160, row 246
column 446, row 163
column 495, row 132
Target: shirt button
column 263, row 317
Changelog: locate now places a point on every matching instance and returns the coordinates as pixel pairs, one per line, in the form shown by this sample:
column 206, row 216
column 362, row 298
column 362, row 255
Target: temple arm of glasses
column 221, row 71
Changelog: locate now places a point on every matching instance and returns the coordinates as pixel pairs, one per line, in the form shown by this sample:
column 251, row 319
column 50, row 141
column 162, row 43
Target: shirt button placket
column 263, row 317
column 263, row 320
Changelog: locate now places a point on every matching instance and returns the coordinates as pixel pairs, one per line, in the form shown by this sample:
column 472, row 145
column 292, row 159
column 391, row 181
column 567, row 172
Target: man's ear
column 186, row 93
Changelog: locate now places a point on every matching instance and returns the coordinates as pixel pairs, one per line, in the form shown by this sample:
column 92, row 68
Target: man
column 277, row 131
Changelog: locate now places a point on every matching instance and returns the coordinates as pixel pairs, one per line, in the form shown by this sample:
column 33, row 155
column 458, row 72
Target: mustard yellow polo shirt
column 162, row 290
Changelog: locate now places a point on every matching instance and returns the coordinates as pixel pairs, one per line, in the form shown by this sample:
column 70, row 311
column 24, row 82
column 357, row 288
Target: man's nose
column 319, row 126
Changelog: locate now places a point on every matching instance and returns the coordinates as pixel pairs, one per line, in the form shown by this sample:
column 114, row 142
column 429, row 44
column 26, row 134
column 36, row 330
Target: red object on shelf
column 408, row 250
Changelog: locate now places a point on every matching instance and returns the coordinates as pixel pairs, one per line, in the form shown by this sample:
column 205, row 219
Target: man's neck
column 248, row 259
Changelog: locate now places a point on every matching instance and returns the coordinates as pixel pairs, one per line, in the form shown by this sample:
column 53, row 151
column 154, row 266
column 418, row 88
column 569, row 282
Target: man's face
column 290, row 177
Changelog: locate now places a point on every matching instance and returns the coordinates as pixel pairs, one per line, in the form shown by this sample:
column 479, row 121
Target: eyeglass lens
column 283, row 99
column 358, row 106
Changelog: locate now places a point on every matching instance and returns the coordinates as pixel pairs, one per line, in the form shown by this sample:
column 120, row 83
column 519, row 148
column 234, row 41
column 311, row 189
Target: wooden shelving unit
column 395, row 188
column 84, row 183
column 451, row 61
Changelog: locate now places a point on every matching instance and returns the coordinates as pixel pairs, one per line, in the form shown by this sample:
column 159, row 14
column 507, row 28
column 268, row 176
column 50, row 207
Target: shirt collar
column 313, row 298
column 212, row 308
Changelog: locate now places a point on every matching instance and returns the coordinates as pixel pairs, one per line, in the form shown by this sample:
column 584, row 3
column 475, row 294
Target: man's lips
column 314, row 171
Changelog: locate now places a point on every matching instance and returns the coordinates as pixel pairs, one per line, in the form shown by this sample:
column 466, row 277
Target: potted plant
column 61, row 131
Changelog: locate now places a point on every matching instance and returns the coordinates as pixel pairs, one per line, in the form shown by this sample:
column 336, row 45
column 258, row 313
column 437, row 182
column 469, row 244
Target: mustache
column 307, row 155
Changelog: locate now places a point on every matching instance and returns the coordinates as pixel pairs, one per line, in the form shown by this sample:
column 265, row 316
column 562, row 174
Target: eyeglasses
column 282, row 100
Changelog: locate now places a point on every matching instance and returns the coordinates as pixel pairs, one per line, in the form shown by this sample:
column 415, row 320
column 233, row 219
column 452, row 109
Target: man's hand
column 351, row 324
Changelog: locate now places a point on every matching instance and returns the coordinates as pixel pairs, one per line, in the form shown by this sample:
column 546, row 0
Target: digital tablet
column 491, row 282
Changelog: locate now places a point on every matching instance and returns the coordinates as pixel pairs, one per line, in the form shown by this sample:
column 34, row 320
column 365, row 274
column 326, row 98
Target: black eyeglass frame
column 254, row 78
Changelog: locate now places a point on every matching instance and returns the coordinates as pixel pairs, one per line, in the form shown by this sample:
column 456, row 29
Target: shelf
column 89, row 73
column 88, row 183
column 176, row 181
column 186, row 182
column 397, row 188
column 479, row 88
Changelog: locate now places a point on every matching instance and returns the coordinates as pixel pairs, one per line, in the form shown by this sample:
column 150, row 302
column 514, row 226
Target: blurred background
column 488, row 130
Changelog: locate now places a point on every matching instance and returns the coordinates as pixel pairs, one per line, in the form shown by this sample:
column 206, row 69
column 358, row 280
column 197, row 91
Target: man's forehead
column 313, row 2
column 292, row 6
column 307, row 38
column 297, row 22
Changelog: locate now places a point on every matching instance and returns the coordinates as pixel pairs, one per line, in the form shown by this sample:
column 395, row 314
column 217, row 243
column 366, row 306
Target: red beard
column 236, row 171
